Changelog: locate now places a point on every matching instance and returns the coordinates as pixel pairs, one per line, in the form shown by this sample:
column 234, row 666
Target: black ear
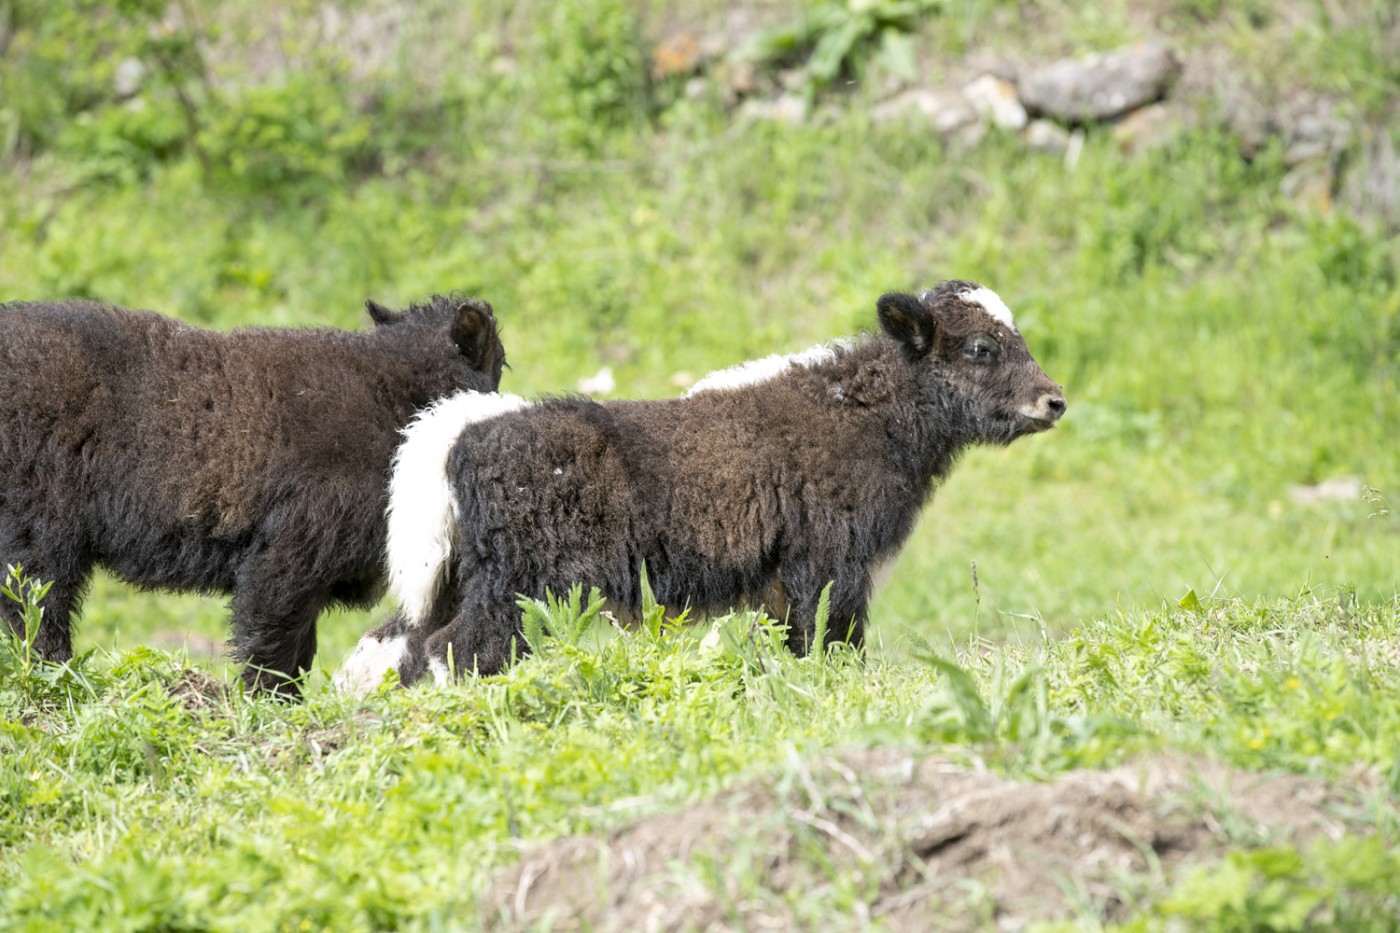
column 379, row 314
column 474, row 332
column 908, row 320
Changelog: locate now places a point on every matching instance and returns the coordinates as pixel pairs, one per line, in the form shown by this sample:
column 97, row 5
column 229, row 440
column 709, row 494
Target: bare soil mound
column 911, row 839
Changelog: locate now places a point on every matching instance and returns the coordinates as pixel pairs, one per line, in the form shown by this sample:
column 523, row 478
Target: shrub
column 594, row 78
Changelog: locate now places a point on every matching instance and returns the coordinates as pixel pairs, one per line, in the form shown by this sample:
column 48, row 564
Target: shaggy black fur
column 251, row 462
column 812, row 477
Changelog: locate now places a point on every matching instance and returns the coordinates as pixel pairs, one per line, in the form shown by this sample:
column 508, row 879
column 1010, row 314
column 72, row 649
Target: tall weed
column 27, row 681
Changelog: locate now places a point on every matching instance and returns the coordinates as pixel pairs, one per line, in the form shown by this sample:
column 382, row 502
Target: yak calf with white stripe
column 762, row 485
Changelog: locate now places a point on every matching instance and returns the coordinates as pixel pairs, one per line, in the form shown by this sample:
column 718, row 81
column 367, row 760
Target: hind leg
column 66, row 572
column 480, row 639
column 277, row 645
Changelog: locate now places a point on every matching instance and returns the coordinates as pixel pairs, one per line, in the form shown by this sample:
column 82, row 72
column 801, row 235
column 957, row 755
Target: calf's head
column 968, row 354
column 463, row 328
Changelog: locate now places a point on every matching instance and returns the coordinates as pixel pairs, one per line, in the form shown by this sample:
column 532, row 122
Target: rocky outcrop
column 1103, row 86
column 1146, row 95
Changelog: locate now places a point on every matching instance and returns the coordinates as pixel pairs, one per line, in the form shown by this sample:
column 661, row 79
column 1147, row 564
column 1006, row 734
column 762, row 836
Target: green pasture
column 1161, row 569
column 1218, row 347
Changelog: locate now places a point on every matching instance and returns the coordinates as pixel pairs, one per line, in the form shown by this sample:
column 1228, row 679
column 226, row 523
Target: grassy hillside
column 1166, row 562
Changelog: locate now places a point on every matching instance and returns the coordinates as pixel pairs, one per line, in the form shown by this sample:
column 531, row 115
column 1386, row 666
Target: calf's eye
column 982, row 349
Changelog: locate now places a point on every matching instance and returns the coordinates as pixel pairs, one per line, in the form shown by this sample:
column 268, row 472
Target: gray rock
column 1102, row 86
column 945, row 111
column 1371, row 188
column 1313, row 131
column 785, row 108
column 1243, row 111
column 1047, row 136
column 1148, row 128
column 1309, row 127
column 995, row 100
column 128, row 78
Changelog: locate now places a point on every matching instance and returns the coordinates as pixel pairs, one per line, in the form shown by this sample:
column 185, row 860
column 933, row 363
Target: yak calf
column 762, row 485
column 253, row 462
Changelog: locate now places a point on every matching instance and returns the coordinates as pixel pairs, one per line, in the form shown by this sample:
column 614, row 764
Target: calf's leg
column 848, row 605
column 481, row 638
column 274, row 626
column 68, row 574
column 397, row 645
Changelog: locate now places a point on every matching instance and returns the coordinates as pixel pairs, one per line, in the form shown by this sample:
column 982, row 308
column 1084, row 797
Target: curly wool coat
column 761, row 486
column 253, row 462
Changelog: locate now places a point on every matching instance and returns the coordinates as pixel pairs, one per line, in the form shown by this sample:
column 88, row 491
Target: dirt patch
column 915, row 837
column 198, row 691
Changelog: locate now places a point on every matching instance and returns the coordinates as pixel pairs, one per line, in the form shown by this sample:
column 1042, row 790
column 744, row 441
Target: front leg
column 45, row 559
column 397, row 644
column 849, row 604
column 274, row 626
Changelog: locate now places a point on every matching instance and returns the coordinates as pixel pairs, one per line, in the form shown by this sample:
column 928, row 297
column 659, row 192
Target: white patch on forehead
column 762, row 370
column 422, row 508
column 991, row 302
column 368, row 663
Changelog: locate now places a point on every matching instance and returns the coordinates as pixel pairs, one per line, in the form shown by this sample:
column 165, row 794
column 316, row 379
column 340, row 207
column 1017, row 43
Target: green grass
column 1145, row 577
column 142, row 794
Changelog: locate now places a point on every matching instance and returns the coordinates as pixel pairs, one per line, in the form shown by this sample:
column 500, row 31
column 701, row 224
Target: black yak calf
column 762, row 485
column 253, row 462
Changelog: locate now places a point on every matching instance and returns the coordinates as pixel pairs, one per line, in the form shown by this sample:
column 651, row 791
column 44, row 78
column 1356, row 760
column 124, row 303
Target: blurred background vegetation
column 664, row 189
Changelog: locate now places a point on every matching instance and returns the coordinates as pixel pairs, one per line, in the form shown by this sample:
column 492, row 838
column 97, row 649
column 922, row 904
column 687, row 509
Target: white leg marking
column 368, row 663
column 441, row 675
column 422, row 507
column 992, row 302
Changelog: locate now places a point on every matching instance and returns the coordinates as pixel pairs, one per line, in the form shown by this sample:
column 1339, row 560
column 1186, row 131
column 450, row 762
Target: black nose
column 1056, row 406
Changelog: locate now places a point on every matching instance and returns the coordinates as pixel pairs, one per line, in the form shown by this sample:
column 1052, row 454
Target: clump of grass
column 27, row 681
column 841, row 40
column 17, row 658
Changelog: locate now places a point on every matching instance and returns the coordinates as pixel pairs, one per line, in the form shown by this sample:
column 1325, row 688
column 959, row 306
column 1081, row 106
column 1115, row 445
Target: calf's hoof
column 372, row 658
